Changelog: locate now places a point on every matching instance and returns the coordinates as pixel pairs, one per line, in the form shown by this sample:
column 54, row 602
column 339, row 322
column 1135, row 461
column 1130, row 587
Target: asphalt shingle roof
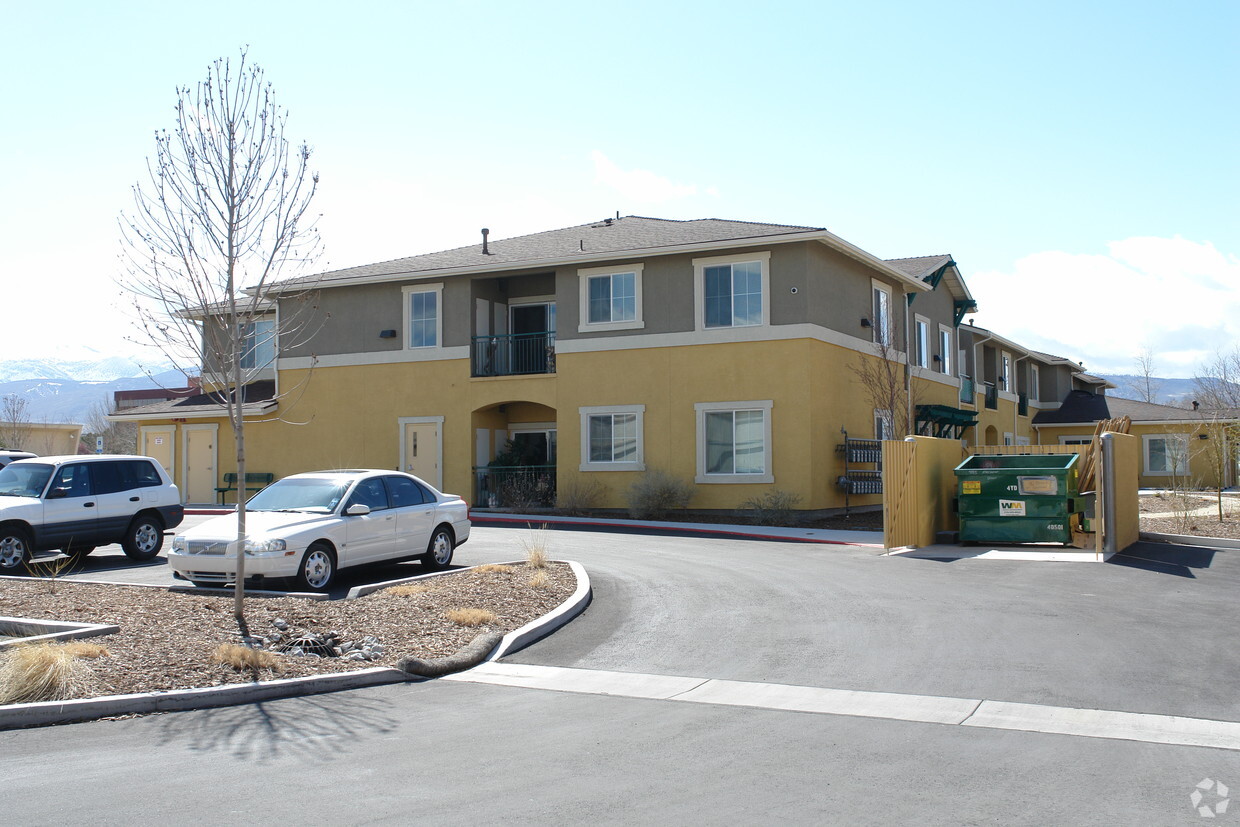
column 919, row 266
column 618, row 235
column 1083, row 406
column 252, row 394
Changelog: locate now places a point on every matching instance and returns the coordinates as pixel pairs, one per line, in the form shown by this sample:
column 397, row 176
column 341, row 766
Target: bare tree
column 1145, row 386
column 1218, row 383
column 888, row 386
column 222, row 215
column 118, row 437
column 15, row 422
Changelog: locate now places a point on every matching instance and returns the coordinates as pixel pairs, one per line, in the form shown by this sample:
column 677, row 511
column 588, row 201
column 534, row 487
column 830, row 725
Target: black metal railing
column 514, row 354
column 514, row 486
column 992, row 396
column 966, row 391
column 1022, row 404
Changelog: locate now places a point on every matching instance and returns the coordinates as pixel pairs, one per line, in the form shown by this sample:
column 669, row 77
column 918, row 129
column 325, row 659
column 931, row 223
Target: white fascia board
column 823, row 236
column 246, row 410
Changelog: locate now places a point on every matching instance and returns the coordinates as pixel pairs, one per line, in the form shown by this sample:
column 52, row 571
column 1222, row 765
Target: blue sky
column 1078, row 159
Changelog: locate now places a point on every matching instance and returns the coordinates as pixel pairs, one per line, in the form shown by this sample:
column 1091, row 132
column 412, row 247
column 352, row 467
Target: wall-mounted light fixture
column 937, row 358
column 387, row 334
column 865, row 322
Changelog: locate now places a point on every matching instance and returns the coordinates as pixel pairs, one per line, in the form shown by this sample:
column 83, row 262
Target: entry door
column 531, row 324
column 422, row 451
column 157, row 444
column 200, row 479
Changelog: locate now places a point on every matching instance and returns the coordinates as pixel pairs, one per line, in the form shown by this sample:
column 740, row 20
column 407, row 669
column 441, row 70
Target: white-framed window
column 1007, row 439
column 611, row 438
column 881, row 312
column 732, row 291
column 884, row 427
column 1075, row 440
column 1166, row 455
column 610, row 298
column 258, row 344
column 1005, row 372
column 946, row 348
column 422, row 314
column 921, row 341
column 734, row 442
column 1035, row 378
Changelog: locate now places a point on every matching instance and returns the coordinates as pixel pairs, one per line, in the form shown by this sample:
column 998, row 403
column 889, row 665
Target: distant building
column 124, row 400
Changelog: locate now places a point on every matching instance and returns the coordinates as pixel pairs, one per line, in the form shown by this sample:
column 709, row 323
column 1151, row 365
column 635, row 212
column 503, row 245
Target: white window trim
column 1008, row 438
column 407, row 291
column 1075, row 439
column 585, row 414
column 583, row 294
column 947, row 360
column 921, row 355
column 1145, row 455
column 879, row 335
column 699, row 287
column 888, row 422
column 701, row 409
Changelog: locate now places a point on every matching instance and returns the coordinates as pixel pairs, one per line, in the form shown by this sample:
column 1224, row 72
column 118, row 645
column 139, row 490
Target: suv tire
column 14, row 548
column 144, row 538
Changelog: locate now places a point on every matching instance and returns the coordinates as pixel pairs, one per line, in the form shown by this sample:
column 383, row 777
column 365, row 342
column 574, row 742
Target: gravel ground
column 1173, row 514
column 166, row 639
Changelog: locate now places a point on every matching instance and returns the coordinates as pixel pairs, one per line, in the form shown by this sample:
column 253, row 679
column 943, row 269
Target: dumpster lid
column 1018, row 462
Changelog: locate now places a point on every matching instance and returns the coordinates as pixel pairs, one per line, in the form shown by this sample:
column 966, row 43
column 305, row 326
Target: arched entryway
column 515, row 453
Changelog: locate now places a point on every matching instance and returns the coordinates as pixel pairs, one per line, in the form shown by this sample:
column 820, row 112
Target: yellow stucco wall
column 1202, row 472
column 349, row 416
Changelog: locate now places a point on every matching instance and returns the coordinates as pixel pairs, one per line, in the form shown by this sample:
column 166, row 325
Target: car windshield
column 307, row 494
column 24, row 479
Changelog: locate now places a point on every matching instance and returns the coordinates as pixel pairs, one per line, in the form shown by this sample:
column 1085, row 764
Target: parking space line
column 971, row 712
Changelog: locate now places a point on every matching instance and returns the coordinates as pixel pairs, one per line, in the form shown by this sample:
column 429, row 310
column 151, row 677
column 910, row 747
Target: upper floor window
column 922, row 333
column 1005, row 373
column 258, row 344
column 611, row 298
column 423, row 319
column 945, row 349
column 731, row 291
column 881, row 311
column 1035, row 378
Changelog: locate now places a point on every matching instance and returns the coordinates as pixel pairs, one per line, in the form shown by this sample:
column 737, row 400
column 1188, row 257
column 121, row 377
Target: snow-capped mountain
column 69, row 390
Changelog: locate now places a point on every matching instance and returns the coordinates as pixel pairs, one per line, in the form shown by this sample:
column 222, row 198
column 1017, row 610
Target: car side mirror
column 357, row 510
column 56, row 494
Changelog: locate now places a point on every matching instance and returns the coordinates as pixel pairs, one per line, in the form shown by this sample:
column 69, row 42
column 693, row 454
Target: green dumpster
column 1017, row 499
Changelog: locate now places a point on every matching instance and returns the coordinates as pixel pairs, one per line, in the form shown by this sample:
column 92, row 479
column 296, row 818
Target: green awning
column 944, row 421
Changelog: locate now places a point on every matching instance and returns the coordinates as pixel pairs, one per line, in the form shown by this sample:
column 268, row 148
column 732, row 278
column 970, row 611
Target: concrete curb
column 179, row 587
column 483, row 647
column 1190, row 540
column 788, row 535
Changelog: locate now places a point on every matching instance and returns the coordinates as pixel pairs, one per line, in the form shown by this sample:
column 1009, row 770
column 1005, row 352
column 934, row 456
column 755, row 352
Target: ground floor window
column 734, row 442
column 1166, row 454
column 611, row 438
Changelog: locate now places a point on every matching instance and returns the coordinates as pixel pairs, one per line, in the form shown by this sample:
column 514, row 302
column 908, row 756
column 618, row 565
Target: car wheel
column 439, row 551
column 317, row 569
column 77, row 552
column 144, row 538
column 14, row 548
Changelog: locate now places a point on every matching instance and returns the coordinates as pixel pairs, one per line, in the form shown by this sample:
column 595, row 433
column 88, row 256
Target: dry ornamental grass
column 172, row 640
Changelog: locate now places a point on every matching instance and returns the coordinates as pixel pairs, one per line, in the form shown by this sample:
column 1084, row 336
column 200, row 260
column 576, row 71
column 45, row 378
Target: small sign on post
column 98, row 445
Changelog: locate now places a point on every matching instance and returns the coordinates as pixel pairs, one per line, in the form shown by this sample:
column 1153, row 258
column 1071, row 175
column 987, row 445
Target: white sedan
column 308, row 526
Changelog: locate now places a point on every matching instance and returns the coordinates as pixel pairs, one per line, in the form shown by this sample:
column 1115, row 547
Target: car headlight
column 179, row 543
column 264, row 546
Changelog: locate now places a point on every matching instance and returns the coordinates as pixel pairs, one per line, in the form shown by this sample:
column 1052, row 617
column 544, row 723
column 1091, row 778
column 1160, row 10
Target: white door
column 422, row 452
column 200, row 480
column 157, row 444
column 372, row 536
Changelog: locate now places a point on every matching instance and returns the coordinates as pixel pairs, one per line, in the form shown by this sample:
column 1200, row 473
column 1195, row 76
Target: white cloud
column 1177, row 296
column 639, row 185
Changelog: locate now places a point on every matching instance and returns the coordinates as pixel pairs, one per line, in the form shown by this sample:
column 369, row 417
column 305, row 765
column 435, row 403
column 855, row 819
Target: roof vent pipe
column 485, row 233
column 1196, row 405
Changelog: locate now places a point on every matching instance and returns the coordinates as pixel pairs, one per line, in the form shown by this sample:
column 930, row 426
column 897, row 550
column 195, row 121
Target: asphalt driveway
column 1150, row 632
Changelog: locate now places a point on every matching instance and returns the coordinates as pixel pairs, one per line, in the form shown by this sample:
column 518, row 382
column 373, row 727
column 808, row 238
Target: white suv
column 75, row 503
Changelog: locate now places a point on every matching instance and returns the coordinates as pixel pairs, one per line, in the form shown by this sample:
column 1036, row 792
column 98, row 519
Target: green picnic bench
column 254, row 481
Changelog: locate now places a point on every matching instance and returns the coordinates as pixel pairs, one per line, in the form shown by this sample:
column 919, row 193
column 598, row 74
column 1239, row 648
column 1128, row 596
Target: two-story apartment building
column 722, row 352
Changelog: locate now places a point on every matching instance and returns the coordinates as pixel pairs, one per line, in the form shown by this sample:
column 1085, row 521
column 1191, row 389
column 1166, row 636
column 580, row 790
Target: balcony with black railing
column 1022, row 404
column 966, row 391
column 992, row 396
column 513, row 355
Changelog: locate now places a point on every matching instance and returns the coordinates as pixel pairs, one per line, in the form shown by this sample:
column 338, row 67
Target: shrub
column 407, row 590
column 470, row 617
column 536, row 549
column 655, row 493
column 540, row 580
column 580, row 496
column 774, row 508
column 492, row 568
column 245, row 659
column 46, row 672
